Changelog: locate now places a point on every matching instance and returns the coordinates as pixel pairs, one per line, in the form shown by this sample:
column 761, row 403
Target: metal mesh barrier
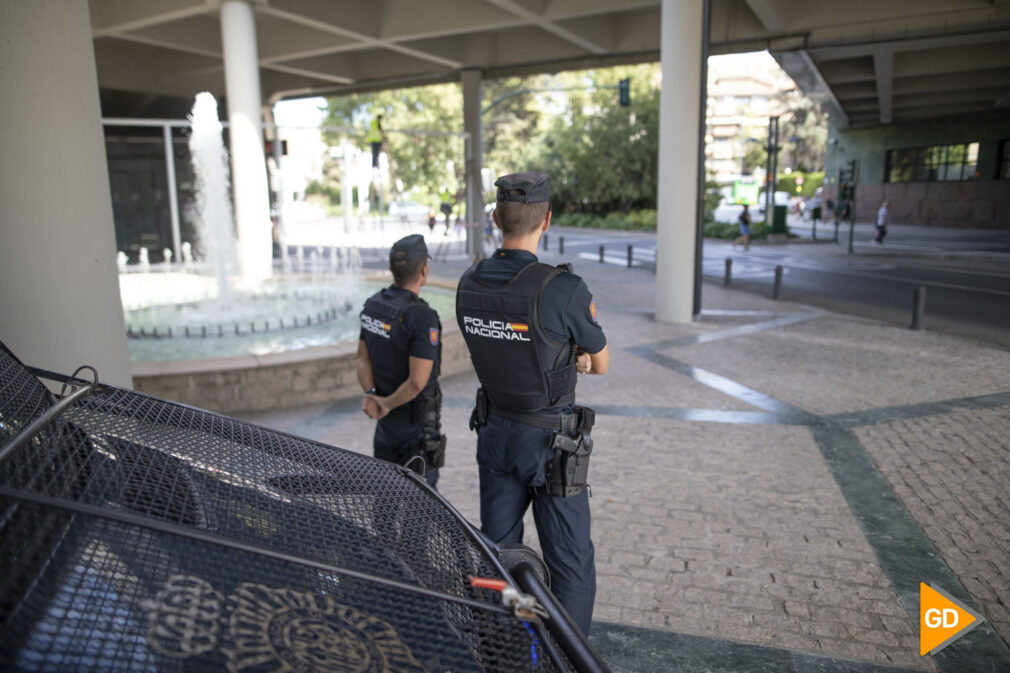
column 140, row 534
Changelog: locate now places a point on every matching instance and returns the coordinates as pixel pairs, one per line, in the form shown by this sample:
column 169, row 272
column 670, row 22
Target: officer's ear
column 547, row 221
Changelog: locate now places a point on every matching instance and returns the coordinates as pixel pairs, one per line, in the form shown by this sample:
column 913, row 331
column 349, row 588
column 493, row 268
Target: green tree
column 603, row 157
column 803, row 133
column 513, row 120
column 422, row 126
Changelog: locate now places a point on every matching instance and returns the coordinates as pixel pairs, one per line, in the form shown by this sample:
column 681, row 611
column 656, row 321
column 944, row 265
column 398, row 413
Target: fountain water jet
column 215, row 224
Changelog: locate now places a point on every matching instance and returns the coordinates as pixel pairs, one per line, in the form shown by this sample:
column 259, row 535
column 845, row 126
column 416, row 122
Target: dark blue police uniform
column 513, row 456
column 397, row 324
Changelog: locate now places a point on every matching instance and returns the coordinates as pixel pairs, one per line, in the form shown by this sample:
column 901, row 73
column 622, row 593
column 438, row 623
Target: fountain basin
column 284, row 380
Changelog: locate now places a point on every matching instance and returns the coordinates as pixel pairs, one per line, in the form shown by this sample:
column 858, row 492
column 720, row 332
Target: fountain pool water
column 285, row 316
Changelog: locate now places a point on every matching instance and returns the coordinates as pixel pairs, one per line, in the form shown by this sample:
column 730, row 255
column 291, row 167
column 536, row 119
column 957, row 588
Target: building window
column 1004, row 160
column 938, row 163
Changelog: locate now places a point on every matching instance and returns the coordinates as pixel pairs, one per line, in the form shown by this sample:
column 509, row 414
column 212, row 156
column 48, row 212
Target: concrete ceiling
column 870, row 61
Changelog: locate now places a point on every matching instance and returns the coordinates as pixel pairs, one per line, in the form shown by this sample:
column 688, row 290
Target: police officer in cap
column 530, row 327
column 399, row 353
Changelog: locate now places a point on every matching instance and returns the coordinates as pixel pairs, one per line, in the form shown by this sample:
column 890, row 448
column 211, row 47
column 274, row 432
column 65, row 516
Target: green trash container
column 815, row 213
column 779, row 219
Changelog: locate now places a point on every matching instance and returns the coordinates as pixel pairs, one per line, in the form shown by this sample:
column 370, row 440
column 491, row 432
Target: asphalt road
column 962, row 296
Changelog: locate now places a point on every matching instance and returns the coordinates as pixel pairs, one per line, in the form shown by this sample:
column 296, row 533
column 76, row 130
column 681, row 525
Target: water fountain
column 201, row 308
column 201, row 334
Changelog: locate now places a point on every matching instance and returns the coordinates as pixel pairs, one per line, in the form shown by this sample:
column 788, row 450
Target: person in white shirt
column 882, row 216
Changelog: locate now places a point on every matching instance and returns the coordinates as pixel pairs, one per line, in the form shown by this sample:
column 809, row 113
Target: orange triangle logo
column 942, row 619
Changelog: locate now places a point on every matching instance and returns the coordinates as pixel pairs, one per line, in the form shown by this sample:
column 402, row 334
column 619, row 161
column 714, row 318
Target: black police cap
column 409, row 249
column 534, row 187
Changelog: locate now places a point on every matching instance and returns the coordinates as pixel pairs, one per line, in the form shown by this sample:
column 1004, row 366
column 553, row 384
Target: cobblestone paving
column 838, row 364
column 765, row 552
column 952, row 471
column 738, row 530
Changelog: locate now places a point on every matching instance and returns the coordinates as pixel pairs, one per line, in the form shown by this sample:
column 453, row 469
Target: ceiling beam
column 364, row 40
column 311, row 74
column 114, row 17
column 810, row 80
column 901, row 44
column 764, row 10
column 549, row 26
column 883, row 66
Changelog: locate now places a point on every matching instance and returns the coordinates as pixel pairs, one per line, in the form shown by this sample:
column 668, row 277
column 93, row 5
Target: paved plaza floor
column 771, row 483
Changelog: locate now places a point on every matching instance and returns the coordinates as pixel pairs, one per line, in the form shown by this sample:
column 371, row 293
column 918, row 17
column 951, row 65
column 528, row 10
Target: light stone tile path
column 770, row 484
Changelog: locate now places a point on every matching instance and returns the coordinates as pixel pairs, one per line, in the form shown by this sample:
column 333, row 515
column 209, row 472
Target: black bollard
column 918, row 307
column 629, row 256
column 561, row 245
column 729, row 272
column 778, row 282
column 601, row 254
column 545, row 243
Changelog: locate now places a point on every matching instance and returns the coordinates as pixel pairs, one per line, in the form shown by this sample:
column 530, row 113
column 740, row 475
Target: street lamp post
column 772, row 169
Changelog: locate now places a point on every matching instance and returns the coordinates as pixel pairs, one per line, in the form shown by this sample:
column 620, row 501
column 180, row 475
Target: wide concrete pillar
column 679, row 138
column 59, row 288
column 245, row 131
column 471, row 81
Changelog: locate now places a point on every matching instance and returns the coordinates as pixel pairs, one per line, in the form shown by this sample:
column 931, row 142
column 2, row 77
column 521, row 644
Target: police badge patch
column 592, row 309
column 433, row 336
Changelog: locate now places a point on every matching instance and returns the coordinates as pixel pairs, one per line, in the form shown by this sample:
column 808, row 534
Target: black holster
column 426, row 410
column 432, row 449
column 478, row 418
column 568, row 471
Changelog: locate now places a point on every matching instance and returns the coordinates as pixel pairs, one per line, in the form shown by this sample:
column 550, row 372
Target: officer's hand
column 583, row 363
column 370, row 408
column 381, row 409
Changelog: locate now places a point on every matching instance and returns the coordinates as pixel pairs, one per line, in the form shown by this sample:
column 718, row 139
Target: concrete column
column 248, row 164
column 471, row 81
column 59, row 288
column 679, row 105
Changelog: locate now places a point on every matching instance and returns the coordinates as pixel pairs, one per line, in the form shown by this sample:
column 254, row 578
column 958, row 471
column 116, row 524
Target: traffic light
column 624, row 92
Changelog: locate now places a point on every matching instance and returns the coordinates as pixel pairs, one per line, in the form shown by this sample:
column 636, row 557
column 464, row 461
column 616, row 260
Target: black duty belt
column 567, row 423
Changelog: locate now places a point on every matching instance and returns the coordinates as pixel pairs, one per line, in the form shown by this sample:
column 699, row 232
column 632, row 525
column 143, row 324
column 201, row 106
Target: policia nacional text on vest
column 382, row 320
column 524, row 373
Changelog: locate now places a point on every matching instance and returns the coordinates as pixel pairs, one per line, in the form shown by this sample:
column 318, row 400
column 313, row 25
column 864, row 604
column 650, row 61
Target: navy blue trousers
column 393, row 441
column 511, row 458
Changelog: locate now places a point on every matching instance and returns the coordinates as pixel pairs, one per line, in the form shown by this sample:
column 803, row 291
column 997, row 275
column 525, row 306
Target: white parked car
column 409, row 210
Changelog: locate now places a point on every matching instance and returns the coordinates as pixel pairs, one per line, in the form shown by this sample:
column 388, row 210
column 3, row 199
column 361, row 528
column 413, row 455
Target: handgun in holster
column 568, row 471
column 478, row 418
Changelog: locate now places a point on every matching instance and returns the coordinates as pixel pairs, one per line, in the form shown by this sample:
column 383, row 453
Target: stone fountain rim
column 293, row 357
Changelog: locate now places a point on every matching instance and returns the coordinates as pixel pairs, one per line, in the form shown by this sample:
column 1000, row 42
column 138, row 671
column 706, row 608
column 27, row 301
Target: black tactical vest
column 388, row 346
column 519, row 365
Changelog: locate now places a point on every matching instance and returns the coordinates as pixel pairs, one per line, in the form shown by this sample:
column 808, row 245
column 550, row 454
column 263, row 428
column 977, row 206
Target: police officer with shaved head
column 530, row 328
column 399, row 354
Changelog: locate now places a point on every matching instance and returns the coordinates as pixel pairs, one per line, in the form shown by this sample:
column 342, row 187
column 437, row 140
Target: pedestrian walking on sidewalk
column 744, row 236
column 530, row 329
column 882, row 217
